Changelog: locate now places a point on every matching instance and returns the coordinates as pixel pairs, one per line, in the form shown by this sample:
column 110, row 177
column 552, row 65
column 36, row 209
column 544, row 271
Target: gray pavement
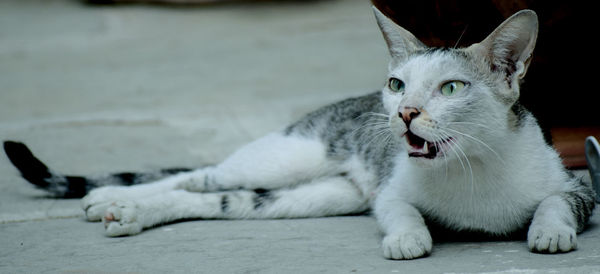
column 93, row 89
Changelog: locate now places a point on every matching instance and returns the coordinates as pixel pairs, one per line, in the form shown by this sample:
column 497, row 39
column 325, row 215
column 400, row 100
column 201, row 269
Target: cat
column 445, row 143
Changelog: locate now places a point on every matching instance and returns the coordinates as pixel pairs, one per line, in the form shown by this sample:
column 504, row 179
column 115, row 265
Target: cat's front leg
column 560, row 217
column 553, row 227
column 406, row 235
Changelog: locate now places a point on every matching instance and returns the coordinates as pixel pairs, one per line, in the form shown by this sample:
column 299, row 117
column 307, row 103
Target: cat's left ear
column 509, row 48
column 401, row 43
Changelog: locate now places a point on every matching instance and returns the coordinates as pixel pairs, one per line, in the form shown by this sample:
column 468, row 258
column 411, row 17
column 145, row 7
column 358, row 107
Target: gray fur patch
column 518, row 116
column 261, row 197
column 224, row 203
column 582, row 202
column 353, row 126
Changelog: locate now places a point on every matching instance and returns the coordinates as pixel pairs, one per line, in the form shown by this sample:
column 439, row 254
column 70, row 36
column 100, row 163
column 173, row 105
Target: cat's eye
column 396, row 85
column 452, row 87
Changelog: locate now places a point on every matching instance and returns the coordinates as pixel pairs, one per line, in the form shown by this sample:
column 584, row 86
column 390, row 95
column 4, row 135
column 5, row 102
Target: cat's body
column 444, row 141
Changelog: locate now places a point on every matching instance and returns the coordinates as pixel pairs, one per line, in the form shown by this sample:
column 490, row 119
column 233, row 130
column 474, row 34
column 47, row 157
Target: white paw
column 122, row 218
column 551, row 238
column 98, row 200
column 407, row 246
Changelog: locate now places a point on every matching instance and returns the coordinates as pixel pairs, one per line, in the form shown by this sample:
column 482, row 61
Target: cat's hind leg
column 326, row 196
column 98, row 200
column 271, row 162
column 274, row 161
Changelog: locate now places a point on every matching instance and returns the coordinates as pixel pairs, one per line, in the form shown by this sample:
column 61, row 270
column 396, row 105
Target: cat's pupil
column 452, row 87
column 396, row 85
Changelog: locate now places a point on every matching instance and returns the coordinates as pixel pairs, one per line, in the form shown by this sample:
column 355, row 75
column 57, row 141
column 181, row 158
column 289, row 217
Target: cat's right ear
column 401, row 43
column 510, row 46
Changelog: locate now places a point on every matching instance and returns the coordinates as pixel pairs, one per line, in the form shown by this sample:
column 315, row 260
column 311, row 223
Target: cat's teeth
column 425, row 148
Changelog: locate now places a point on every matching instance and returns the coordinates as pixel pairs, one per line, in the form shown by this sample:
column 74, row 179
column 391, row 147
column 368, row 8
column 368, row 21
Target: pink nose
column 408, row 114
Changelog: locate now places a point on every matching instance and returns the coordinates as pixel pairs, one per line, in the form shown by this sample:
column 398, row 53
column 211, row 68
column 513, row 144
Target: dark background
column 558, row 86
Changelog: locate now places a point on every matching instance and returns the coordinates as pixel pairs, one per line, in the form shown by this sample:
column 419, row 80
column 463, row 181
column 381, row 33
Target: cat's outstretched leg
column 274, row 161
column 559, row 218
column 323, row 197
column 98, row 200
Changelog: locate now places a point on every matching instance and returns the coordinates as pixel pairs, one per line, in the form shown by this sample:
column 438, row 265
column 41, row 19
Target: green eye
column 452, row 87
column 396, row 85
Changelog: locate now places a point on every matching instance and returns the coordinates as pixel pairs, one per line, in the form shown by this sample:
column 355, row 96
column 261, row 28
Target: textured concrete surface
column 93, row 89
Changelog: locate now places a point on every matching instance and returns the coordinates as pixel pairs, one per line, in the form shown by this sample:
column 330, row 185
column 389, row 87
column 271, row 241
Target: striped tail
column 67, row 186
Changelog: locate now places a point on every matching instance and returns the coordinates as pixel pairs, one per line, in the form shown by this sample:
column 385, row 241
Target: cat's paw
column 95, row 203
column 121, row 219
column 551, row 238
column 407, row 246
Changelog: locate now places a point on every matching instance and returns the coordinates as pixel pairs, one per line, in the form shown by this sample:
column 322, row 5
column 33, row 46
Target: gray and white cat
column 445, row 142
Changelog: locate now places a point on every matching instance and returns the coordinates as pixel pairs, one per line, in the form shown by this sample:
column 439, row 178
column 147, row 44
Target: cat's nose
column 408, row 114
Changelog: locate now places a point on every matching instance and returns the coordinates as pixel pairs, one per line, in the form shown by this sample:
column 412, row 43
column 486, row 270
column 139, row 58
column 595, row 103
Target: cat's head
column 448, row 103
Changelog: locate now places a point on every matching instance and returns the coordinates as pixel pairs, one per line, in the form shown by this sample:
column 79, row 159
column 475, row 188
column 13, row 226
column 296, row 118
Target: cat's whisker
column 471, row 124
column 458, row 156
column 478, row 141
column 375, row 114
column 461, row 35
column 376, row 137
column 470, row 169
column 438, row 148
column 373, row 129
column 457, row 146
column 371, row 125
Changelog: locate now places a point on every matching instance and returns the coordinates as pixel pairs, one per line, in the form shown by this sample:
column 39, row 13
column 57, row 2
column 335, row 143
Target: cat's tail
column 68, row 186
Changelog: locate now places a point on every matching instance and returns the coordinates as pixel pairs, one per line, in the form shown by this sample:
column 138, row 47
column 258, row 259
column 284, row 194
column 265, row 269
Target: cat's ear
column 401, row 43
column 510, row 46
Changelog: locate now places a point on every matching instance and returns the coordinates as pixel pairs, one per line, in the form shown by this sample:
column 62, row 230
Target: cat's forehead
column 434, row 63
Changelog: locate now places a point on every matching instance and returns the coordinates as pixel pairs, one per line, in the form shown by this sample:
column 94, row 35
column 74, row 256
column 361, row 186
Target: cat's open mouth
column 419, row 147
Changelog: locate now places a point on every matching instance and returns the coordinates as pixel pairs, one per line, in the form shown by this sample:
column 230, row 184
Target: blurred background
column 114, row 81
column 94, row 88
column 106, row 86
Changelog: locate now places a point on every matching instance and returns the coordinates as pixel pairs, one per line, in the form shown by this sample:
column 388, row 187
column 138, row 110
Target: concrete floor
column 93, row 89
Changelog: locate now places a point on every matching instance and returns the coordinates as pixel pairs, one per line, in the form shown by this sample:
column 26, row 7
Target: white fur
column 495, row 172
column 285, row 161
column 307, row 184
column 328, row 196
column 493, row 175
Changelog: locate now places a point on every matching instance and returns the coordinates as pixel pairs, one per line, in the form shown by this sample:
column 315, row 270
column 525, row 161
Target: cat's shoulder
column 350, row 109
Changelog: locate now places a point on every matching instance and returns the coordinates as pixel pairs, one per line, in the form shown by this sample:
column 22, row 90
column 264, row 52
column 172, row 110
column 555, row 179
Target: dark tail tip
column 31, row 168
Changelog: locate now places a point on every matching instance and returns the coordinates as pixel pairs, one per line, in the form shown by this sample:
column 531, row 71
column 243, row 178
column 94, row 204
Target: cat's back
column 338, row 118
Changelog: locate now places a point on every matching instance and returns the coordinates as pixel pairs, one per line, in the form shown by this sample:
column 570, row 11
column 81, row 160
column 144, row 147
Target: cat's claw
column 407, row 246
column 551, row 239
column 122, row 219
